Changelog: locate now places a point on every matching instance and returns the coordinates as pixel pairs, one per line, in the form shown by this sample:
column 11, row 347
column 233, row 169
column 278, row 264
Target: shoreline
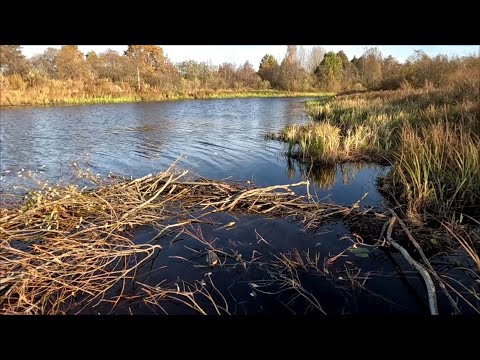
column 138, row 99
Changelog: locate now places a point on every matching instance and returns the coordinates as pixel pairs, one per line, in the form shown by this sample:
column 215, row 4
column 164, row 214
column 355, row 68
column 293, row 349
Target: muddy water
column 218, row 139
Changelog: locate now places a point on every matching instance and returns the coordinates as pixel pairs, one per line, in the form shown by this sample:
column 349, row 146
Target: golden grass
column 324, row 143
column 430, row 136
column 56, row 92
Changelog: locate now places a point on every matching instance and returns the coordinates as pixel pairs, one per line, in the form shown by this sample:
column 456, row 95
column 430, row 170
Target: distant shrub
column 15, row 82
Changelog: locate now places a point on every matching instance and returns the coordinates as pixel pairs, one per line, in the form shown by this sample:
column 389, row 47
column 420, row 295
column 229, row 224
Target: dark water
column 217, row 139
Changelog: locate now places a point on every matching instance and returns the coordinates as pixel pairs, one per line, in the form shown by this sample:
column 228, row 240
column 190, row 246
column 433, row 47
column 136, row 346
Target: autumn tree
column 113, row 66
column 194, row 70
column 70, row 64
column 330, row 72
column 369, row 67
column 291, row 55
column 269, row 70
column 349, row 71
column 46, row 63
column 167, row 77
column 421, row 70
column 228, row 74
column 291, row 73
column 95, row 62
column 391, row 73
column 12, row 61
column 247, row 75
column 147, row 61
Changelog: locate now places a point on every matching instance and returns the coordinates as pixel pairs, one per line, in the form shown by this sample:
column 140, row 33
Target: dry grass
column 430, row 136
column 324, row 143
column 65, row 247
column 15, row 92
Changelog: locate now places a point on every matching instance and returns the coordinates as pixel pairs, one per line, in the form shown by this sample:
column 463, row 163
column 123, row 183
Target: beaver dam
column 173, row 243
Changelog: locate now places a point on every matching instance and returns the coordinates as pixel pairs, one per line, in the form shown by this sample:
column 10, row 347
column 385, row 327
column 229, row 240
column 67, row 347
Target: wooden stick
column 432, row 298
column 412, row 239
column 425, row 260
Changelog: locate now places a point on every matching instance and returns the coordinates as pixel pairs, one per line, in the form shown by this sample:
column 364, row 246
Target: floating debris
column 359, row 252
column 212, row 258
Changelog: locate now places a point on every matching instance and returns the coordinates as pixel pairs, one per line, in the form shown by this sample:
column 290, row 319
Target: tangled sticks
column 65, row 247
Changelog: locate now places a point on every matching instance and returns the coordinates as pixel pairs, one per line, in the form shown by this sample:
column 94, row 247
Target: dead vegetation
column 64, row 248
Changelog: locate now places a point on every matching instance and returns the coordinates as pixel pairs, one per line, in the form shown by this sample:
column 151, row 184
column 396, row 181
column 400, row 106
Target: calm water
column 218, row 139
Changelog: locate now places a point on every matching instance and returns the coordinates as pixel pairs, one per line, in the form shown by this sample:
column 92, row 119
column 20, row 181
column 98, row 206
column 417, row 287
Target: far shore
column 18, row 102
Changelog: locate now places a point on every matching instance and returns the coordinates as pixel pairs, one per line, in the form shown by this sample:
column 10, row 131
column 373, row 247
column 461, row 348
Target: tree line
column 143, row 68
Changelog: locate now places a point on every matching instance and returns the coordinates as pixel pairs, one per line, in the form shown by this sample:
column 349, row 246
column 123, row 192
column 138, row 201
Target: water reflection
column 325, row 176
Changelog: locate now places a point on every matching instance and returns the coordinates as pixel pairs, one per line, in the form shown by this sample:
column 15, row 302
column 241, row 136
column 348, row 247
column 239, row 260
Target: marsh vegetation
column 177, row 242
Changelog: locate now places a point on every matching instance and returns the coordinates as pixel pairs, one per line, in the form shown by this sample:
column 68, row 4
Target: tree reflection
column 324, row 176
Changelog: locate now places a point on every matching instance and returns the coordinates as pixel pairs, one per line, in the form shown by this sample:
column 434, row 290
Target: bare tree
column 370, row 68
column 302, row 57
column 45, row 63
column 314, row 58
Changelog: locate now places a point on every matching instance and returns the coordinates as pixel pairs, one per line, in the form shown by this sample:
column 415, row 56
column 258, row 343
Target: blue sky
column 238, row 54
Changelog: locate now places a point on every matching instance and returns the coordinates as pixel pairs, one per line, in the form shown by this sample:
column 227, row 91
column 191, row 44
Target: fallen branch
column 432, row 298
column 425, row 260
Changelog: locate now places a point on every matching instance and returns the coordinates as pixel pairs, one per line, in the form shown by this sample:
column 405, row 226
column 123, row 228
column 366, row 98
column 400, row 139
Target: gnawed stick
column 432, row 298
column 427, row 263
column 411, row 238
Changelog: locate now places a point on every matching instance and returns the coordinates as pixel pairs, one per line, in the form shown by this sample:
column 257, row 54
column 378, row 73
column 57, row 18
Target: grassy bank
column 58, row 94
column 431, row 137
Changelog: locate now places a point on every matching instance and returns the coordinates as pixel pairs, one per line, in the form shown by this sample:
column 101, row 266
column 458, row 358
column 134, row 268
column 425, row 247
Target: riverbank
column 35, row 97
column 430, row 137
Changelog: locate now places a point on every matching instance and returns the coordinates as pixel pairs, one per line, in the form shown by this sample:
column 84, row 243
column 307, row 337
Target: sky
column 238, row 54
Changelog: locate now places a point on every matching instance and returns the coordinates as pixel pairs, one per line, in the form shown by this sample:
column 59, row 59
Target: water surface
column 218, row 138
